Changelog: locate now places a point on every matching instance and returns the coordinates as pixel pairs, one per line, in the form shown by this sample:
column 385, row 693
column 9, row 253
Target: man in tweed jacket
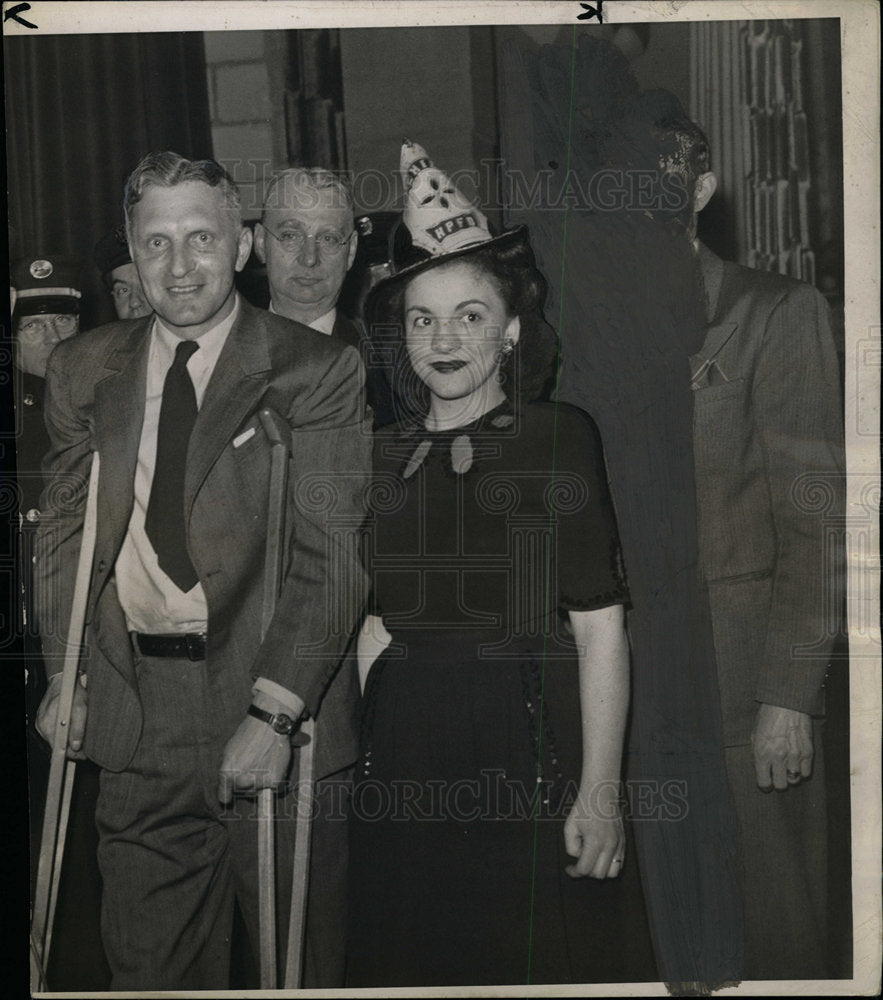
column 768, row 449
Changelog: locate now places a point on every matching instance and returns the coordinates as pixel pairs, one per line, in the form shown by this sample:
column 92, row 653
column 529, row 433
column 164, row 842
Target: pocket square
column 246, row 435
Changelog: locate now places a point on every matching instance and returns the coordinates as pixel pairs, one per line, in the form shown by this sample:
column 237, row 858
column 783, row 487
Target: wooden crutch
column 279, row 434
column 62, row 770
column 300, row 875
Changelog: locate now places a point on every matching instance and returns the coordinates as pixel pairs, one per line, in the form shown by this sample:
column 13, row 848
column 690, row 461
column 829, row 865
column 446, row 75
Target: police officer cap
column 48, row 283
column 111, row 251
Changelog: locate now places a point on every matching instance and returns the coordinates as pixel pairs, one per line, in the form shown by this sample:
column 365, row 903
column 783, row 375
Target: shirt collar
column 324, row 324
column 210, row 343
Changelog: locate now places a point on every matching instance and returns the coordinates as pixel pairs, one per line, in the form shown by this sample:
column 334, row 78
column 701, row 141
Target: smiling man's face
column 187, row 244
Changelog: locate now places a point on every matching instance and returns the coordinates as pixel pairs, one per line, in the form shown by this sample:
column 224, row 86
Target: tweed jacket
column 768, row 447
column 96, row 385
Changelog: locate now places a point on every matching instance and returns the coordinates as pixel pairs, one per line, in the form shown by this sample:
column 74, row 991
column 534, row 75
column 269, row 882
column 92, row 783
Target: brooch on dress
column 461, row 453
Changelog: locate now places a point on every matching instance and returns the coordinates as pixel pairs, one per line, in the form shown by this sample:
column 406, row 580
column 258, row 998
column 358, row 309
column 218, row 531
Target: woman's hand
column 372, row 640
column 593, row 831
column 594, row 834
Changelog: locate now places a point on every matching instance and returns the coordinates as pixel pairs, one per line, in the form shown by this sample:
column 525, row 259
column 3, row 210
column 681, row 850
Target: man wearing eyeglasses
column 46, row 311
column 307, row 241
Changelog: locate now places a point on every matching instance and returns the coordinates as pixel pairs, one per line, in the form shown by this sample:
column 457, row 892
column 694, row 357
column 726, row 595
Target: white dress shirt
column 152, row 603
column 324, row 324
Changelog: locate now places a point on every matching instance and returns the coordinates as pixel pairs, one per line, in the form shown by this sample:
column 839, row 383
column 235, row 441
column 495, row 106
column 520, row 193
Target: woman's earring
column 508, row 347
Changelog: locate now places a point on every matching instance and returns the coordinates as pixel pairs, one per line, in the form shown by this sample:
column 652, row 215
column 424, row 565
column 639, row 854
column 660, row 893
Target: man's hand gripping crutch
column 62, row 722
column 265, row 747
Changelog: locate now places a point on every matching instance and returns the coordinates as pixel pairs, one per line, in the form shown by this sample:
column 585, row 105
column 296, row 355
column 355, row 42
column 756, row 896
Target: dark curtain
column 81, row 111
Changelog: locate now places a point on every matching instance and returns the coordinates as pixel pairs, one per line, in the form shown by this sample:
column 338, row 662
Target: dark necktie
column 164, row 523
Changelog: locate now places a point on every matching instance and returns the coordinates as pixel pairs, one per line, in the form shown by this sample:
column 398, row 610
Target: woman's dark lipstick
column 448, row 366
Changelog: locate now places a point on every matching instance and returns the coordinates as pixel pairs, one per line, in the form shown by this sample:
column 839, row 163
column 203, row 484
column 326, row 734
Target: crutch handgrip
column 275, row 427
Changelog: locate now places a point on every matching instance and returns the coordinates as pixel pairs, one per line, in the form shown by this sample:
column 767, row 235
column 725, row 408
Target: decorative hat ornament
column 439, row 217
column 439, row 223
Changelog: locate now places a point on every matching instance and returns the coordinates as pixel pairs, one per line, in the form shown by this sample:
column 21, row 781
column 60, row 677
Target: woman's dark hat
column 438, row 225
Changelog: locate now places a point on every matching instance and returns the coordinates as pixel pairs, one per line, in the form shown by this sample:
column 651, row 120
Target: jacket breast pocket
column 711, row 394
column 249, row 460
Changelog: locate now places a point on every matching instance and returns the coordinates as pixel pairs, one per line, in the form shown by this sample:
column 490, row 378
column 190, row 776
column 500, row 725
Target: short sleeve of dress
column 590, row 571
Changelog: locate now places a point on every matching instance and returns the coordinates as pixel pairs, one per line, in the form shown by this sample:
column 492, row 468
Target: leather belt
column 185, row 646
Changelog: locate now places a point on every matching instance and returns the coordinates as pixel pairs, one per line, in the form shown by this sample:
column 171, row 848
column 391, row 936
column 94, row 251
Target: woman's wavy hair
column 527, row 372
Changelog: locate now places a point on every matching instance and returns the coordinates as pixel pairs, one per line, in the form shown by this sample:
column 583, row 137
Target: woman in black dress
column 494, row 660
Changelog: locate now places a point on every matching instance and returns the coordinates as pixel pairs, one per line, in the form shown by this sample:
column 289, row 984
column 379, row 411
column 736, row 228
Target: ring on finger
column 792, row 775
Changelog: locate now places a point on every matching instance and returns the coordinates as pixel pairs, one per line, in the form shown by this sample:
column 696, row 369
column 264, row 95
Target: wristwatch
column 280, row 723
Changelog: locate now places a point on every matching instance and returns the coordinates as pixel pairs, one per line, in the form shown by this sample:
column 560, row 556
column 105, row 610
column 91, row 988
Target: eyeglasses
column 294, row 240
column 62, row 321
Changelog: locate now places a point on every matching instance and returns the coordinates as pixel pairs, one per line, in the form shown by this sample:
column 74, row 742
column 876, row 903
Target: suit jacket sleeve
column 798, row 415
column 325, row 587
column 63, row 507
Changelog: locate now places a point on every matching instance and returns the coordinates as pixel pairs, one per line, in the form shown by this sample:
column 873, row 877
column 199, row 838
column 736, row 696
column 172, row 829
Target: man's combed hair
column 683, row 147
column 168, row 169
column 317, row 178
column 682, row 150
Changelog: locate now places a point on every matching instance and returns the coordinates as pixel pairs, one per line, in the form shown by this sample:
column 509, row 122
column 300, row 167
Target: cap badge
column 449, row 226
column 40, row 269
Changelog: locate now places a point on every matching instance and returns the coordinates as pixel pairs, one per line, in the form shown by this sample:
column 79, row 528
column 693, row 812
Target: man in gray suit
column 186, row 704
column 307, row 240
column 768, row 449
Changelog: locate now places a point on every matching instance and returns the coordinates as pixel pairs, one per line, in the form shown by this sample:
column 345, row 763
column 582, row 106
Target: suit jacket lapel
column 119, row 415
column 712, row 278
column 345, row 330
column 236, row 386
column 718, row 333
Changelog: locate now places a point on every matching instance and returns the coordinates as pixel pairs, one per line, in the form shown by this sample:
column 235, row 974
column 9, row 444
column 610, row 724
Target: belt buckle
column 195, row 646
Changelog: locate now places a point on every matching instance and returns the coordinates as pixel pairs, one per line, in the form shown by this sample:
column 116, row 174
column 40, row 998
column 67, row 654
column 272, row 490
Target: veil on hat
column 577, row 137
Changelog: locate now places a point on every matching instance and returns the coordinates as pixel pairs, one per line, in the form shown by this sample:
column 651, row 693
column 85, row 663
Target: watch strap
column 282, row 724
